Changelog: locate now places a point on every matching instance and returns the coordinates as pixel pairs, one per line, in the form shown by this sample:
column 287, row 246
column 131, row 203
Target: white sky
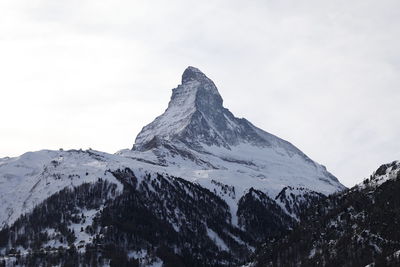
column 323, row 75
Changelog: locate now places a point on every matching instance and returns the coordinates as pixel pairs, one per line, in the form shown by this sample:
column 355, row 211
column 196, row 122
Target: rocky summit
column 196, row 116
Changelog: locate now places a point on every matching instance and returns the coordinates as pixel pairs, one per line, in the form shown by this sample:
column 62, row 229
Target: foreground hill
column 356, row 227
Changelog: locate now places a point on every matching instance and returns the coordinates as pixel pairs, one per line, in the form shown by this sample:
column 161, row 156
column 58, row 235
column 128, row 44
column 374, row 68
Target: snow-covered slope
column 27, row 180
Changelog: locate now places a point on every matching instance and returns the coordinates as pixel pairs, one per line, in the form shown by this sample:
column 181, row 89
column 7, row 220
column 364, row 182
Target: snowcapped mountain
column 194, row 158
column 197, row 138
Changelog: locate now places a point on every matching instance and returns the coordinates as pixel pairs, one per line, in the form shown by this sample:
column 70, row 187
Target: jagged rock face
column 196, row 116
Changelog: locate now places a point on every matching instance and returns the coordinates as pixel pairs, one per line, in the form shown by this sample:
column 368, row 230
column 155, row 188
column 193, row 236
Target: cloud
column 323, row 75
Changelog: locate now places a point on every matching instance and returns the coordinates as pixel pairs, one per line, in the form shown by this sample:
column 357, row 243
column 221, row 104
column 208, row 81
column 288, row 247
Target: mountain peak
column 196, row 117
column 195, row 103
column 197, row 90
column 192, row 73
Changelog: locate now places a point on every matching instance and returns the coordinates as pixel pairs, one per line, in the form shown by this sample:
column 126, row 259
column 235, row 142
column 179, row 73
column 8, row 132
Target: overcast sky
column 323, row 75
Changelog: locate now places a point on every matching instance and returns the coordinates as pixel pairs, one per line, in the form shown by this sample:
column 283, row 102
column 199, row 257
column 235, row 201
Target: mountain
column 200, row 140
column 200, row 187
column 356, row 227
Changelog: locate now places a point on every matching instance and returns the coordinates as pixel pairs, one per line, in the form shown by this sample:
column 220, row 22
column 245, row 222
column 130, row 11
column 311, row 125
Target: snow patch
column 217, row 240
